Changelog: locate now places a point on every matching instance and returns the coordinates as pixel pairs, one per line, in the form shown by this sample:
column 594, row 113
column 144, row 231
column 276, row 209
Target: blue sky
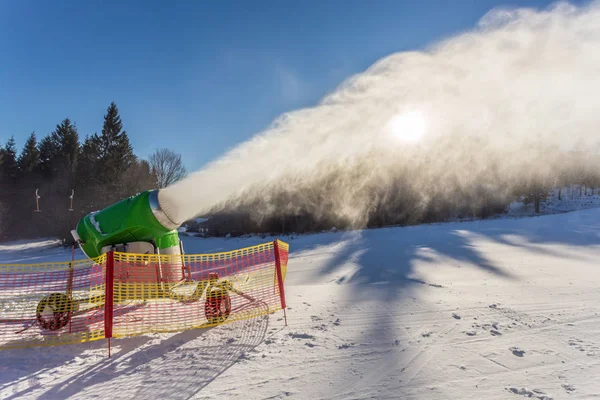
column 199, row 77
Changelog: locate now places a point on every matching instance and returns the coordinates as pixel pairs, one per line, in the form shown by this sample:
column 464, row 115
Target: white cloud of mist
column 489, row 99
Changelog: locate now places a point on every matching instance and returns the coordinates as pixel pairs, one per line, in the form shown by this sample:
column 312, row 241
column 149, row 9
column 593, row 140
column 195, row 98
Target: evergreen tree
column 89, row 160
column 30, row 156
column 116, row 152
column 67, row 141
column 1, row 163
column 10, row 167
column 48, row 154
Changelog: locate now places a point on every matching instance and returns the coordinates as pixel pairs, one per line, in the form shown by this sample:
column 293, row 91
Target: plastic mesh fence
column 165, row 293
column 50, row 304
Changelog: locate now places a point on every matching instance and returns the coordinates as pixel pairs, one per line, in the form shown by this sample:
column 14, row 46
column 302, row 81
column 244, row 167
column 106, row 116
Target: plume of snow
column 478, row 112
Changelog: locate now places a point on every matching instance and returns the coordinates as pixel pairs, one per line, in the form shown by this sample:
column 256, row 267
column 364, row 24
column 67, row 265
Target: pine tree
column 89, row 160
column 67, row 139
column 48, row 155
column 10, row 167
column 1, row 163
column 30, row 156
column 116, row 152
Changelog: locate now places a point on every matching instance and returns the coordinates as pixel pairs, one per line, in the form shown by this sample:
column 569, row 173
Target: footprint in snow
column 535, row 393
column 300, row 336
column 568, row 388
column 517, row 351
column 580, row 345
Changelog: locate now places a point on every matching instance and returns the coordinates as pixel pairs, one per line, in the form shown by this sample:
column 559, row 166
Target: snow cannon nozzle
column 144, row 220
column 159, row 212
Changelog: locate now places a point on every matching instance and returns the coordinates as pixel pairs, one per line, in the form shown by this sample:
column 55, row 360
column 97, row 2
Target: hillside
column 496, row 309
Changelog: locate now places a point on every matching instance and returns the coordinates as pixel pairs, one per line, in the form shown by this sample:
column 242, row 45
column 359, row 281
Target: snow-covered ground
column 499, row 309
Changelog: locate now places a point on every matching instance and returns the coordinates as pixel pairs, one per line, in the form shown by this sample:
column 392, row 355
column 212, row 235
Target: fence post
column 70, row 281
column 109, row 297
column 279, row 277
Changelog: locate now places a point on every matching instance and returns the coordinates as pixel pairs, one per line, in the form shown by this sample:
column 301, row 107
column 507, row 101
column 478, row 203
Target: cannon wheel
column 54, row 311
column 217, row 306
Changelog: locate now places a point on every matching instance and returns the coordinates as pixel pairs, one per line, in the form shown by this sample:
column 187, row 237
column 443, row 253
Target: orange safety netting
column 124, row 294
column 47, row 304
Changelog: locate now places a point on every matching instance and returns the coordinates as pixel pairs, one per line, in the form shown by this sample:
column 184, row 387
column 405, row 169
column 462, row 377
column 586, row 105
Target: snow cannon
column 137, row 224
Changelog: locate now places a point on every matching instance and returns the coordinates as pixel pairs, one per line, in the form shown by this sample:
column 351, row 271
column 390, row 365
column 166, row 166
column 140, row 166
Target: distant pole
column 37, row 201
column 71, row 197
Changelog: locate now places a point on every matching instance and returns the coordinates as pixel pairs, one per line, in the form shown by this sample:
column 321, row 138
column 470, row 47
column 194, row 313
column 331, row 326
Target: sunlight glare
column 407, row 127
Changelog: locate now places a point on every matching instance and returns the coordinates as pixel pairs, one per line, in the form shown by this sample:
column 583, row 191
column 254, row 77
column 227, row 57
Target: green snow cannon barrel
column 134, row 225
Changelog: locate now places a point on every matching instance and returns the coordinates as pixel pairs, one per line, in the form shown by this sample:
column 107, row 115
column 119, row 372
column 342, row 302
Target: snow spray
column 475, row 113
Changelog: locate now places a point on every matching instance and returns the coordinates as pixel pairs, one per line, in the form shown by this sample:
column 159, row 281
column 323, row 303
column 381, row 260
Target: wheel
column 54, row 311
column 217, row 306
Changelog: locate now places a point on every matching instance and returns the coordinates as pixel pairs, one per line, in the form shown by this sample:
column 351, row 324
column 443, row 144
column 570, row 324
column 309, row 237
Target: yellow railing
column 47, row 304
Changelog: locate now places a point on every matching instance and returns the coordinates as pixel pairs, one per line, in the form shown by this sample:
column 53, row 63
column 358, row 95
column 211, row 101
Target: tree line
column 73, row 177
column 102, row 169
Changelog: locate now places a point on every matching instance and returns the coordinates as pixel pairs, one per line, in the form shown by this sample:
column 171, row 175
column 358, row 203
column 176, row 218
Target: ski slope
column 499, row 309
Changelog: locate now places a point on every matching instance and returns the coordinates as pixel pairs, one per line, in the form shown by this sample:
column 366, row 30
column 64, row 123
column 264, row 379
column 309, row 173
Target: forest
column 52, row 182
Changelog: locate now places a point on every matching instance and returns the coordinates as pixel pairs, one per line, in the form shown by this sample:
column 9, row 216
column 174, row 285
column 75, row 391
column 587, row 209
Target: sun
column 407, row 127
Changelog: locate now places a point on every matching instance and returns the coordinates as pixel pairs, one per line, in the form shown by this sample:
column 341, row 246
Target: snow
column 497, row 309
column 96, row 223
column 41, row 250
